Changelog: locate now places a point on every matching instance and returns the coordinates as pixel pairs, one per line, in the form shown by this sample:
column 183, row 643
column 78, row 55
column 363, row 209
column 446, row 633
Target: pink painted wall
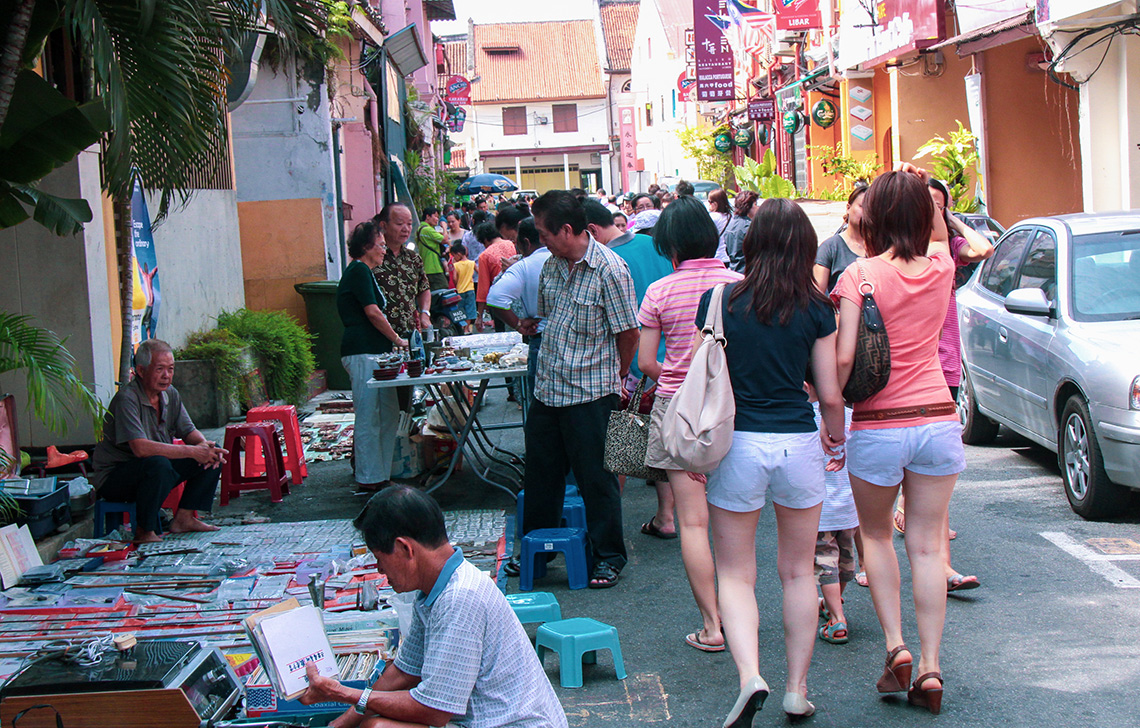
column 360, row 187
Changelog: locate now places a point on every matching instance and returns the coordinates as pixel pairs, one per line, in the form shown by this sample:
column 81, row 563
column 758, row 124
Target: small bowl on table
column 386, row 372
column 415, row 368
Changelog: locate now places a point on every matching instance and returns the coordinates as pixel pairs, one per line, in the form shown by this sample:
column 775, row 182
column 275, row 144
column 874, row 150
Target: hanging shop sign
column 714, row 58
column 762, row 109
column 743, row 137
column 798, row 15
column 793, row 122
column 685, row 84
column 455, row 121
column 872, row 33
column 763, row 134
column 823, row 113
column 458, row 91
column 722, row 142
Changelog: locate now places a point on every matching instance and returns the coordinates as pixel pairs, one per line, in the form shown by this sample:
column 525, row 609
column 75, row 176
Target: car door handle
column 1003, row 334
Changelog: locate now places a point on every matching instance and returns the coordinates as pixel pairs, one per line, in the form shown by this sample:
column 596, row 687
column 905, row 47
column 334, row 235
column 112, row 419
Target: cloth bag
column 872, row 367
column 627, row 439
column 697, row 431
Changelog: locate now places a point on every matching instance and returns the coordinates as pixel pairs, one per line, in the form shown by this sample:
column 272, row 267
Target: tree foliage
column 951, row 161
column 697, row 142
column 761, row 178
column 835, row 160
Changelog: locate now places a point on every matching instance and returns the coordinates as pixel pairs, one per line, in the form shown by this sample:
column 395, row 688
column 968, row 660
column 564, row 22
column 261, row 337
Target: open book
column 18, row 554
column 286, row 638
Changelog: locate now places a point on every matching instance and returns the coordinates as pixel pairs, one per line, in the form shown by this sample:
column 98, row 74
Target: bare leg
column 663, row 519
column 833, row 600
column 875, row 505
column 796, row 530
column 928, row 501
column 734, row 541
column 693, row 517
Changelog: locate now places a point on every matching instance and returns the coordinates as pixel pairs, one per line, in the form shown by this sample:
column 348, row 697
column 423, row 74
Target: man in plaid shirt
column 586, row 296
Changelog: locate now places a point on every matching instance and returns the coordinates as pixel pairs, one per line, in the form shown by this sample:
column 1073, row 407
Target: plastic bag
column 78, row 487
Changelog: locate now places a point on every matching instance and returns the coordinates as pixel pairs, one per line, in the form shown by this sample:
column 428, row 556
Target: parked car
column 1051, row 349
column 701, row 187
column 985, row 225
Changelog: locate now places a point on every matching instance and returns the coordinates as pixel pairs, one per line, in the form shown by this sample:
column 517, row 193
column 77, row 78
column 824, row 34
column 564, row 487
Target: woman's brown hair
column 898, row 215
column 719, row 201
column 744, row 202
column 779, row 255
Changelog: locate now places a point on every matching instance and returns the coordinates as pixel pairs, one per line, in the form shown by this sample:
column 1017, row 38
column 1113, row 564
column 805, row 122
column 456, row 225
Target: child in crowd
column 835, row 544
column 465, row 283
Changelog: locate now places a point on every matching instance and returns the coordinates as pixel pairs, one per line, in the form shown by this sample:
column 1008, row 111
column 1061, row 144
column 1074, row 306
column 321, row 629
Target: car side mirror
column 1028, row 301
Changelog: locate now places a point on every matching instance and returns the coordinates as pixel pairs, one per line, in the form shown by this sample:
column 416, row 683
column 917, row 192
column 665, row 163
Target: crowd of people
column 608, row 291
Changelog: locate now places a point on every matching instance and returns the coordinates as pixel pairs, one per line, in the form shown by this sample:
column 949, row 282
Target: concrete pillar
column 518, row 173
column 565, row 171
column 608, row 174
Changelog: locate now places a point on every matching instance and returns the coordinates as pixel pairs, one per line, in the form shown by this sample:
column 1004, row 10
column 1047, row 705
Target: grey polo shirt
column 131, row 417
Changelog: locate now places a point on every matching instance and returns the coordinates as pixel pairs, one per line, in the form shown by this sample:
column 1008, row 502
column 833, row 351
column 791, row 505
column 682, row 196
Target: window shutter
column 565, row 117
column 514, row 120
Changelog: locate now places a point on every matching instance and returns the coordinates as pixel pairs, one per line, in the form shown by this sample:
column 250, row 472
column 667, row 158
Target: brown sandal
column 929, row 698
column 895, row 677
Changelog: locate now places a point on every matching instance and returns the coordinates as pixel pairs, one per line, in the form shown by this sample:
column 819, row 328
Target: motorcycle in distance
column 447, row 312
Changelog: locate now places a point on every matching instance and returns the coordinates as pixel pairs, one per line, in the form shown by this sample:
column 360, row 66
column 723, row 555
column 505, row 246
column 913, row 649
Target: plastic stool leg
column 619, row 663
column 570, row 664
column 590, row 658
column 577, row 567
column 519, row 515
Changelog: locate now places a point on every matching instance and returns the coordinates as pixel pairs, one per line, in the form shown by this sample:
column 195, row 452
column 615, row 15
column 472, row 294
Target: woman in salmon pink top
column 686, row 235
column 908, row 433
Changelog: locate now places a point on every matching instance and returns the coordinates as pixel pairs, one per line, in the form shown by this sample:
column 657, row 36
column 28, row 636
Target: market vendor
column 137, row 460
column 466, row 661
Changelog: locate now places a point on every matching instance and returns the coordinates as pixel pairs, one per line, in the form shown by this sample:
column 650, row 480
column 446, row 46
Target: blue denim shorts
column 467, row 300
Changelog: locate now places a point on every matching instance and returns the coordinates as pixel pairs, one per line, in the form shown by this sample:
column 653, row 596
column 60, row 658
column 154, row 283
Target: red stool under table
column 286, row 414
column 242, row 437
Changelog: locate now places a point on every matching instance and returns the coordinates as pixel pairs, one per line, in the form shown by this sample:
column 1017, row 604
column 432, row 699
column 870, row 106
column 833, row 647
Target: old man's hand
column 321, row 689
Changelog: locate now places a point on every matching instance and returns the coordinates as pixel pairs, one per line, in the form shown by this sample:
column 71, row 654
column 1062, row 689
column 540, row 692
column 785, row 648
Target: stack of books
column 287, row 637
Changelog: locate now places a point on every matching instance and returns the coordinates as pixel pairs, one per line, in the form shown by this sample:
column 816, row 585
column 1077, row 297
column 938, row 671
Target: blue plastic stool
column 576, row 641
column 109, row 508
column 535, row 607
column 571, row 542
column 573, row 510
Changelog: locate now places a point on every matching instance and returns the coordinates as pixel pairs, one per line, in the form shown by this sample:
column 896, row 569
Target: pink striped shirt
column 670, row 304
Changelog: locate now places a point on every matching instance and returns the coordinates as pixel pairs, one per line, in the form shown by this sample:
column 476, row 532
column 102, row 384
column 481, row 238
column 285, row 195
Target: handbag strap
column 863, row 279
column 714, row 317
column 635, row 400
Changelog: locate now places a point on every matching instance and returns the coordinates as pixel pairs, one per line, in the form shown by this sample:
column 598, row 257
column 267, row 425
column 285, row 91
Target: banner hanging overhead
column 872, row 33
column 713, row 54
column 144, row 271
column 798, row 15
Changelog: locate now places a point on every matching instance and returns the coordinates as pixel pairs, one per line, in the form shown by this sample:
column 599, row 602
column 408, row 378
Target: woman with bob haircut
column 685, row 235
column 744, row 209
column 907, row 433
column 777, row 324
column 367, row 332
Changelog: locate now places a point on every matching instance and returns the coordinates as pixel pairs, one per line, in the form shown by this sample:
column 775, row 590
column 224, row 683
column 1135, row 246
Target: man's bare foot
column 147, row 537
column 190, row 524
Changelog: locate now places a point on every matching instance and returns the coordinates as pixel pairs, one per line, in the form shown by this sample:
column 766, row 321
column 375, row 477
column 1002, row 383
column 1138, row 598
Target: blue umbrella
column 486, row 183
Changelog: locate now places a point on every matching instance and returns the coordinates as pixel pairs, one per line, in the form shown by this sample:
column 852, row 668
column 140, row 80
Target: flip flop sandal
column 900, row 520
column 694, row 640
column 835, row 633
column 604, row 576
column 961, row 582
column 861, row 579
column 649, row 528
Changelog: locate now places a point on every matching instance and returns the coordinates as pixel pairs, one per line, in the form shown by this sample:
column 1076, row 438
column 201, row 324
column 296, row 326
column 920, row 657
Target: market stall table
column 489, row 460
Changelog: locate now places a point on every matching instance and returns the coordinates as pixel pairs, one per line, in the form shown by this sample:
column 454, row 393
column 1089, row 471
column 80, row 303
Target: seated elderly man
column 466, row 661
column 137, row 460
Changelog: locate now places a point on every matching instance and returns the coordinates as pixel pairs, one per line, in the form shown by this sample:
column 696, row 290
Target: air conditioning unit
column 541, row 120
column 784, row 42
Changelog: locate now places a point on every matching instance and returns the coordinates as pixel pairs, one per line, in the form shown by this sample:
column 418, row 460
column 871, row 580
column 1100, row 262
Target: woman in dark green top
column 361, row 304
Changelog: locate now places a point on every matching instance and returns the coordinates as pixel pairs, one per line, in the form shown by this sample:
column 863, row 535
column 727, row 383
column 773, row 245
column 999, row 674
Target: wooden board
column 116, row 709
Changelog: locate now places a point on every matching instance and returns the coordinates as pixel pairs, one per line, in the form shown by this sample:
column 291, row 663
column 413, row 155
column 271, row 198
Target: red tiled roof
column 619, row 22
column 455, row 52
column 545, row 61
column 458, row 158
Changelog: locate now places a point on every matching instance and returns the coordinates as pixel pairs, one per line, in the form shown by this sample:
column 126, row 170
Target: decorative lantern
column 823, row 113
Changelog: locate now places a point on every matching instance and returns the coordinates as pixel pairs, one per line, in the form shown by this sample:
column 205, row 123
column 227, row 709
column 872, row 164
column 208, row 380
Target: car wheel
column 1091, row 494
column 977, row 429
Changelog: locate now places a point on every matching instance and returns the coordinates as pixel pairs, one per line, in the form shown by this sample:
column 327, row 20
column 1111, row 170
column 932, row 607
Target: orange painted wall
column 1033, row 147
column 281, row 245
column 929, row 105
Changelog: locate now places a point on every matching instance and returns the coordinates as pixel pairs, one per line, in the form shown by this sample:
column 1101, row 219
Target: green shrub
column 224, row 349
column 283, row 345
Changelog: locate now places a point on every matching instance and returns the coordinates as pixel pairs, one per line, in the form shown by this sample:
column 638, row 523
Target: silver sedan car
column 1050, row 331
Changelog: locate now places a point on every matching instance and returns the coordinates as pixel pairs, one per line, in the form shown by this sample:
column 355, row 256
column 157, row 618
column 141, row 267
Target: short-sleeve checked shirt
column 586, row 305
column 401, row 277
column 473, row 658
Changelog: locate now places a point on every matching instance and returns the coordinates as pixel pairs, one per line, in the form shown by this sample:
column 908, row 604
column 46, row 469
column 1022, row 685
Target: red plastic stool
column 286, row 414
column 239, row 438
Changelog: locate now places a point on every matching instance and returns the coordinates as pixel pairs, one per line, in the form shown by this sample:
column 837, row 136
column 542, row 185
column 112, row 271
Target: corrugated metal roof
column 455, row 53
column 554, row 60
column 619, row 22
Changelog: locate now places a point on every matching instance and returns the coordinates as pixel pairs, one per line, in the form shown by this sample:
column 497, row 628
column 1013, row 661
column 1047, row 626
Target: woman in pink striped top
column 685, row 234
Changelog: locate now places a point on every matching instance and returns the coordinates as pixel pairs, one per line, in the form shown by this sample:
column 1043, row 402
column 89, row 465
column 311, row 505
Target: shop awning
column 812, row 75
column 993, row 35
column 405, row 51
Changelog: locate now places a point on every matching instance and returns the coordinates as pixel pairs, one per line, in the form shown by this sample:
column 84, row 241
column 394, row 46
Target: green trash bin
column 325, row 325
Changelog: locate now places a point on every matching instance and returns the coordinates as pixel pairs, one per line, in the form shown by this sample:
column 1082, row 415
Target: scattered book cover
column 287, row 637
column 18, row 554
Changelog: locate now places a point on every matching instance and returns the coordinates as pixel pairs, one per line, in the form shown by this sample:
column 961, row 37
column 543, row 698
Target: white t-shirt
column 838, row 505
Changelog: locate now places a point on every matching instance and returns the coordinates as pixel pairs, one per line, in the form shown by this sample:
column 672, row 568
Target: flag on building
column 755, row 28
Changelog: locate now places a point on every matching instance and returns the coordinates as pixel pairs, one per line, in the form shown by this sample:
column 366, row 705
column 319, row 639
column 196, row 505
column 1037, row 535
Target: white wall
column 592, row 125
column 283, row 150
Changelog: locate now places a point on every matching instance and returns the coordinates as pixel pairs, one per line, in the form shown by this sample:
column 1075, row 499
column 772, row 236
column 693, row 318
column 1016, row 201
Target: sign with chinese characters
column 628, row 130
column 873, row 33
column 762, row 109
column 713, row 54
column 798, row 15
column 457, row 91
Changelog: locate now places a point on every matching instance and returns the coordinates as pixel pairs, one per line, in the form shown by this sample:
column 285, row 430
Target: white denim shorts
column 789, row 466
column 880, row 456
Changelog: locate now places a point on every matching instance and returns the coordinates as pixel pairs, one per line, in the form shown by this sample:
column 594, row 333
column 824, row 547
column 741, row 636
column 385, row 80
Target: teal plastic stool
column 576, row 641
column 535, row 607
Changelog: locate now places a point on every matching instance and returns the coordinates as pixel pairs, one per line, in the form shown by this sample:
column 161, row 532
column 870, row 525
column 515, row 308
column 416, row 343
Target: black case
column 44, row 513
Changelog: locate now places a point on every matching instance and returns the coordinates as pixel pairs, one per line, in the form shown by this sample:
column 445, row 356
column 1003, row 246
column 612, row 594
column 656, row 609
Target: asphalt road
column 1048, row 640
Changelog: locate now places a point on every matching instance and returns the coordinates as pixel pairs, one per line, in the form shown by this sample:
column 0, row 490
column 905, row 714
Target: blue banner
column 144, row 265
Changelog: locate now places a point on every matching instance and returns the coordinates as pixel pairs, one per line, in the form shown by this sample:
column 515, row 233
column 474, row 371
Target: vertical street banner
column 144, row 271
column 628, row 132
column 713, row 54
column 978, row 126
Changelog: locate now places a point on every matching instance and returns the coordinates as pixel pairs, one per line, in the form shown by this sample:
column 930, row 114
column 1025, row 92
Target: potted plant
column 210, row 373
column 283, row 347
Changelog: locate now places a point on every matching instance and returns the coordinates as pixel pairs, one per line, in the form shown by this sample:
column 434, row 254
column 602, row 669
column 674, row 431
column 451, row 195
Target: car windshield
column 1106, row 276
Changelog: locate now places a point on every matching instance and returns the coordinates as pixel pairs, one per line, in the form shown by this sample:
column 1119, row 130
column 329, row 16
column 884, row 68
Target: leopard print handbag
column 872, row 368
column 627, row 439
